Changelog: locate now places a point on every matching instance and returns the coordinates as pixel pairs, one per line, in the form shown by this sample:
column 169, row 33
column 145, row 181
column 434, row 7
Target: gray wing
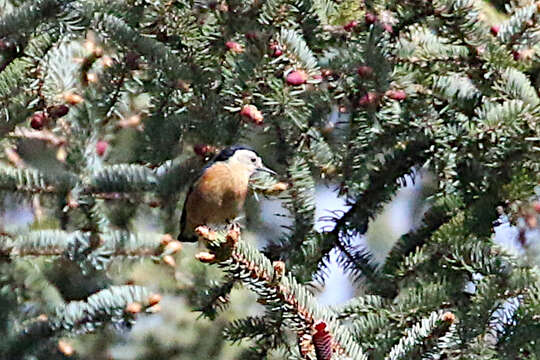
column 185, row 237
column 182, row 236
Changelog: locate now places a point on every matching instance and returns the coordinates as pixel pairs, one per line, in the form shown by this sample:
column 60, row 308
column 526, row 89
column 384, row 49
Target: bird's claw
column 234, row 226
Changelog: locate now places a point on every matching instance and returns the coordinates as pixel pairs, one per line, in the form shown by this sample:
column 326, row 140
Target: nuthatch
column 217, row 196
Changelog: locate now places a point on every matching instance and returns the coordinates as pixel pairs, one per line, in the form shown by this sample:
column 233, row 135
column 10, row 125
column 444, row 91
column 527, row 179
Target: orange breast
column 218, row 195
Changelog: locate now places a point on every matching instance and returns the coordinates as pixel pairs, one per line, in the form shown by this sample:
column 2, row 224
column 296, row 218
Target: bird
column 218, row 194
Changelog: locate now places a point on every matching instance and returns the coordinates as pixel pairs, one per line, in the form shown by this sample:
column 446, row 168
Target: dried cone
column 304, row 344
column 396, row 94
column 276, row 188
column 370, row 18
column 279, row 270
column 154, row 299
column 388, row 28
column 234, row 47
column 134, row 308
column 173, row 247
column 536, row 206
column 365, row 71
column 165, row 239
column 204, row 150
column 448, row 317
column 38, row 121
column 322, row 340
column 251, row 112
column 276, row 50
column 65, row 348
column 297, row 77
column 169, row 260
column 371, row 99
column 205, row 257
column 205, row 233
column 73, row 99
column 350, row 26
column 101, row 147
column 57, row 111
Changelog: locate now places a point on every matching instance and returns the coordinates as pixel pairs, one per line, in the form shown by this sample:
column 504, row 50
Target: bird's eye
column 253, row 160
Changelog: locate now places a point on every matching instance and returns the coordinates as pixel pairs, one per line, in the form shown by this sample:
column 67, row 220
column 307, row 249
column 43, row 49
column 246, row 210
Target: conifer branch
column 298, row 48
column 417, row 84
column 355, row 220
column 215, row 298
column 436, row 325
column 359, row 306
column 275, row 290
column 156, row 52
column 518, row 87
column 510, row 30
column 11, row 76
column 249, row 328
column 119, row 178
column 33, row 181
column 109, row 305
column 264, row 331
column 441, row 212
column 302, row 206
column 123, row 178
column 84, row 247
column 30, row 15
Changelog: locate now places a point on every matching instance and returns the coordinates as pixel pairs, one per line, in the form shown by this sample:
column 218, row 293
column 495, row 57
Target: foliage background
column 154, row 112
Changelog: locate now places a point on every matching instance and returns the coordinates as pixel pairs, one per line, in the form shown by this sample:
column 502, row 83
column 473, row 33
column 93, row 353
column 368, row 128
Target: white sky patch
column 338, row 287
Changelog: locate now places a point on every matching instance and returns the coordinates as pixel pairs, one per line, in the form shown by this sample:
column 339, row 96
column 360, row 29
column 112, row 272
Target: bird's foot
column 233, row 234
column 233, row 226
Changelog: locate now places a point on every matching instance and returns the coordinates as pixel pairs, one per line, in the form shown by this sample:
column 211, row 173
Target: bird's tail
column 187, row 238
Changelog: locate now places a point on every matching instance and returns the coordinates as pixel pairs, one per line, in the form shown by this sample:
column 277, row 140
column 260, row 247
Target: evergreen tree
column 110, row 109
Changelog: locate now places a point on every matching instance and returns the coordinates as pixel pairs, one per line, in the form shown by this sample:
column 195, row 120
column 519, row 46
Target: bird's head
column 245, row 157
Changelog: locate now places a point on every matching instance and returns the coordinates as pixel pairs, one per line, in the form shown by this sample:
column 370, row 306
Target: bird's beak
column 265, row 169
